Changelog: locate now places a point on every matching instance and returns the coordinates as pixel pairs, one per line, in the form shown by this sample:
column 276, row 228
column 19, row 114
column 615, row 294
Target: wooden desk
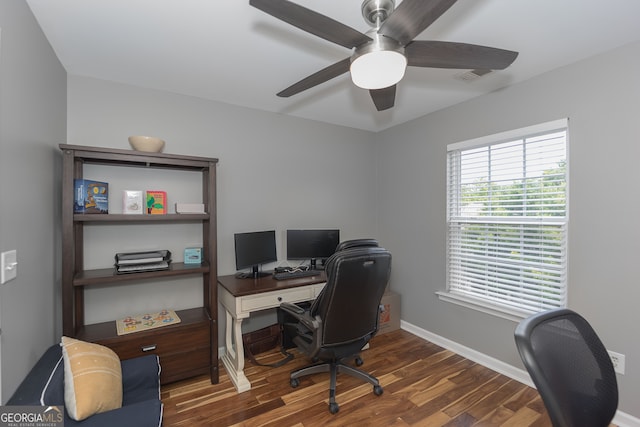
column 241, row 297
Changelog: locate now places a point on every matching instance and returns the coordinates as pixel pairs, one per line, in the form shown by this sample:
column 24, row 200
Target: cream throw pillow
column 92, row 378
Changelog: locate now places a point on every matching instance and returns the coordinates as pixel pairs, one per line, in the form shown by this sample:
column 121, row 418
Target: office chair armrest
column 301, row 315
column 292, row 308
column 313, row 323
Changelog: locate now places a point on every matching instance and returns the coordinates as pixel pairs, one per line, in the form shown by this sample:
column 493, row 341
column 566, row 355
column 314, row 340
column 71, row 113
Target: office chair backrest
column 349, row 303
column 570, row 368
column 357, row 243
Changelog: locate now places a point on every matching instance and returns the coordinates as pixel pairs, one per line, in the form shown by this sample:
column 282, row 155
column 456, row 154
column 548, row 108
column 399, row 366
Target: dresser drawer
column 184, row 365
column 274, row 299
column 175, row 340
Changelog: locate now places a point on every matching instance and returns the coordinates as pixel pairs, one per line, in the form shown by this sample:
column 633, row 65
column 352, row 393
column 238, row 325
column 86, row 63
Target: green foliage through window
column 507, row 221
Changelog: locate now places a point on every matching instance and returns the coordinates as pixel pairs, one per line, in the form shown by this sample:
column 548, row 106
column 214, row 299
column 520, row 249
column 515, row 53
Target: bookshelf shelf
column 140, row 218
column 107, row 276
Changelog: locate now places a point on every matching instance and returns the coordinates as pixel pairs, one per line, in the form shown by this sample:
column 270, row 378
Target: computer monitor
column 253, row 249
column 312, row 245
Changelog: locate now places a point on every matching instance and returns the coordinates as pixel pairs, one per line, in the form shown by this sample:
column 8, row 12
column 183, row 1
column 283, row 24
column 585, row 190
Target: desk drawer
column 274, row 299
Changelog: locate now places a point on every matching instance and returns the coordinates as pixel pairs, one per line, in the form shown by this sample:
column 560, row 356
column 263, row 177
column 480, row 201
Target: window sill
column 497, row 310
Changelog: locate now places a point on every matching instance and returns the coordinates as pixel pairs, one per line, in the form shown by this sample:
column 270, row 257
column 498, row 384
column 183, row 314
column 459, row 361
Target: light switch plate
column 8, row 266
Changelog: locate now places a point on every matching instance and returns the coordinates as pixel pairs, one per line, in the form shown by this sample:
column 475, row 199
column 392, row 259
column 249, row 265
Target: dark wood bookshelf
column 185, row 349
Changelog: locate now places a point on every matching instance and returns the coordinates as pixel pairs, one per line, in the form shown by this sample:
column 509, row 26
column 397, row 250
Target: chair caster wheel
column 359, row 361
column 377, row 390
column 334, row 408
column 294, row 382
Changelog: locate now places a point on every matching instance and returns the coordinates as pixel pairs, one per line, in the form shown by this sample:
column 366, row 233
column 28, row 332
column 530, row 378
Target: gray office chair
column 570, row 368
column 344, row 317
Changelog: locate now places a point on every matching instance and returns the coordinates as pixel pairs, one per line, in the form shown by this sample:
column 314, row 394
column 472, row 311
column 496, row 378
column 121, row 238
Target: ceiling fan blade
column 411, row 18
column 312, row 22
column 315, row 79
column 438, row 54
column 384, row 98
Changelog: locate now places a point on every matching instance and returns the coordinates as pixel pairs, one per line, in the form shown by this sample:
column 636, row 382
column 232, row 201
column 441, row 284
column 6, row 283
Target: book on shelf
column 90, row 197
column 156, row 202
column 132, row 202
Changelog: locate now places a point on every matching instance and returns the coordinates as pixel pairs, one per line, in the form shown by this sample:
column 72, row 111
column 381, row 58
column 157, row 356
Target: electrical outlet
column 618, row 361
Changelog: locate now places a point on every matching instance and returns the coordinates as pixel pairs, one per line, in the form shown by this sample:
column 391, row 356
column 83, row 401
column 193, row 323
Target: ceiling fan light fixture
column 378, row 64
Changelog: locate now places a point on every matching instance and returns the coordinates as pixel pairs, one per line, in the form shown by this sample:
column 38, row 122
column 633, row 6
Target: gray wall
column 604, row 244
column 279, row 172
column 275, row 172
column 32, row 122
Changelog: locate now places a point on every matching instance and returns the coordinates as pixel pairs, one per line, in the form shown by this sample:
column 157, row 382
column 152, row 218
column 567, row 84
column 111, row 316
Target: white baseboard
column 621, row 419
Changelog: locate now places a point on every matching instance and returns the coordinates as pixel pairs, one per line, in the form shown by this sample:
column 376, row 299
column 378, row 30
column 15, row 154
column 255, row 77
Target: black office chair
column 357, row 243
column 570, row 368
column 344, row 317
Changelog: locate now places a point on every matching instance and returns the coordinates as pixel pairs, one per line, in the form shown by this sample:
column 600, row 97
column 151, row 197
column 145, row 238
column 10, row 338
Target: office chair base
column 334, row 368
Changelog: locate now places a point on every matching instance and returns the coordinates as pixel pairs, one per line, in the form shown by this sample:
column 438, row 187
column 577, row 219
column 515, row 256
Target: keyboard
column 285, row 275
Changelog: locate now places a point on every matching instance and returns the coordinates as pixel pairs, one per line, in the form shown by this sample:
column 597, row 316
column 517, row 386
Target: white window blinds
column 507, row 218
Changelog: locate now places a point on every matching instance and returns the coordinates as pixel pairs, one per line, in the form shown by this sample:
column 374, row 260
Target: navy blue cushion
column 141, row 414
column 45, row 379
column 140, row 379
column 141, row 405
column 53, row 393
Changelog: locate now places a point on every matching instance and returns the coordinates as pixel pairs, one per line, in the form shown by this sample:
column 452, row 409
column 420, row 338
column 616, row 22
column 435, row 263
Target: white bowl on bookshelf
column 149, row 144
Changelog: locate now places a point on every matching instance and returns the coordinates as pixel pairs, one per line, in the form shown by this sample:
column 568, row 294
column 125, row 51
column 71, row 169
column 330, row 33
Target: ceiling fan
column 380, row 56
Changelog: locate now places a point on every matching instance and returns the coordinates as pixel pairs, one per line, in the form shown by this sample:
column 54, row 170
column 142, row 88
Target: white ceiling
column 228, row 51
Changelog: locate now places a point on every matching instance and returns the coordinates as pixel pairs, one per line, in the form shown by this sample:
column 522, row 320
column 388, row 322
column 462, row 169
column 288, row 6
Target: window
column 507, row 221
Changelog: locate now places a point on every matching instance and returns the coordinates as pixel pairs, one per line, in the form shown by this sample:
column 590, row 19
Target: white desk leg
column 233, row 357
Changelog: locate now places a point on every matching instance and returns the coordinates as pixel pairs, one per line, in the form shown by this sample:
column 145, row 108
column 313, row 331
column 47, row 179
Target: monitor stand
column 256, row 273
column 315, row 265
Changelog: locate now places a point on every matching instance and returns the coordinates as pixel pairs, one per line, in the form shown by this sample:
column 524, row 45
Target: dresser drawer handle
column 279, row 299
column 149, row 348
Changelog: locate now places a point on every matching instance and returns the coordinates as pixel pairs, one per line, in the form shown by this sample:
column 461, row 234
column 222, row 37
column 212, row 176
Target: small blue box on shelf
column 193, row 256
column 90, row 197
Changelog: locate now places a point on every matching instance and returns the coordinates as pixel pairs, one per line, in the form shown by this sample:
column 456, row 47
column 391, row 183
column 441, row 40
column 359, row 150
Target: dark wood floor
column 424, row 385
